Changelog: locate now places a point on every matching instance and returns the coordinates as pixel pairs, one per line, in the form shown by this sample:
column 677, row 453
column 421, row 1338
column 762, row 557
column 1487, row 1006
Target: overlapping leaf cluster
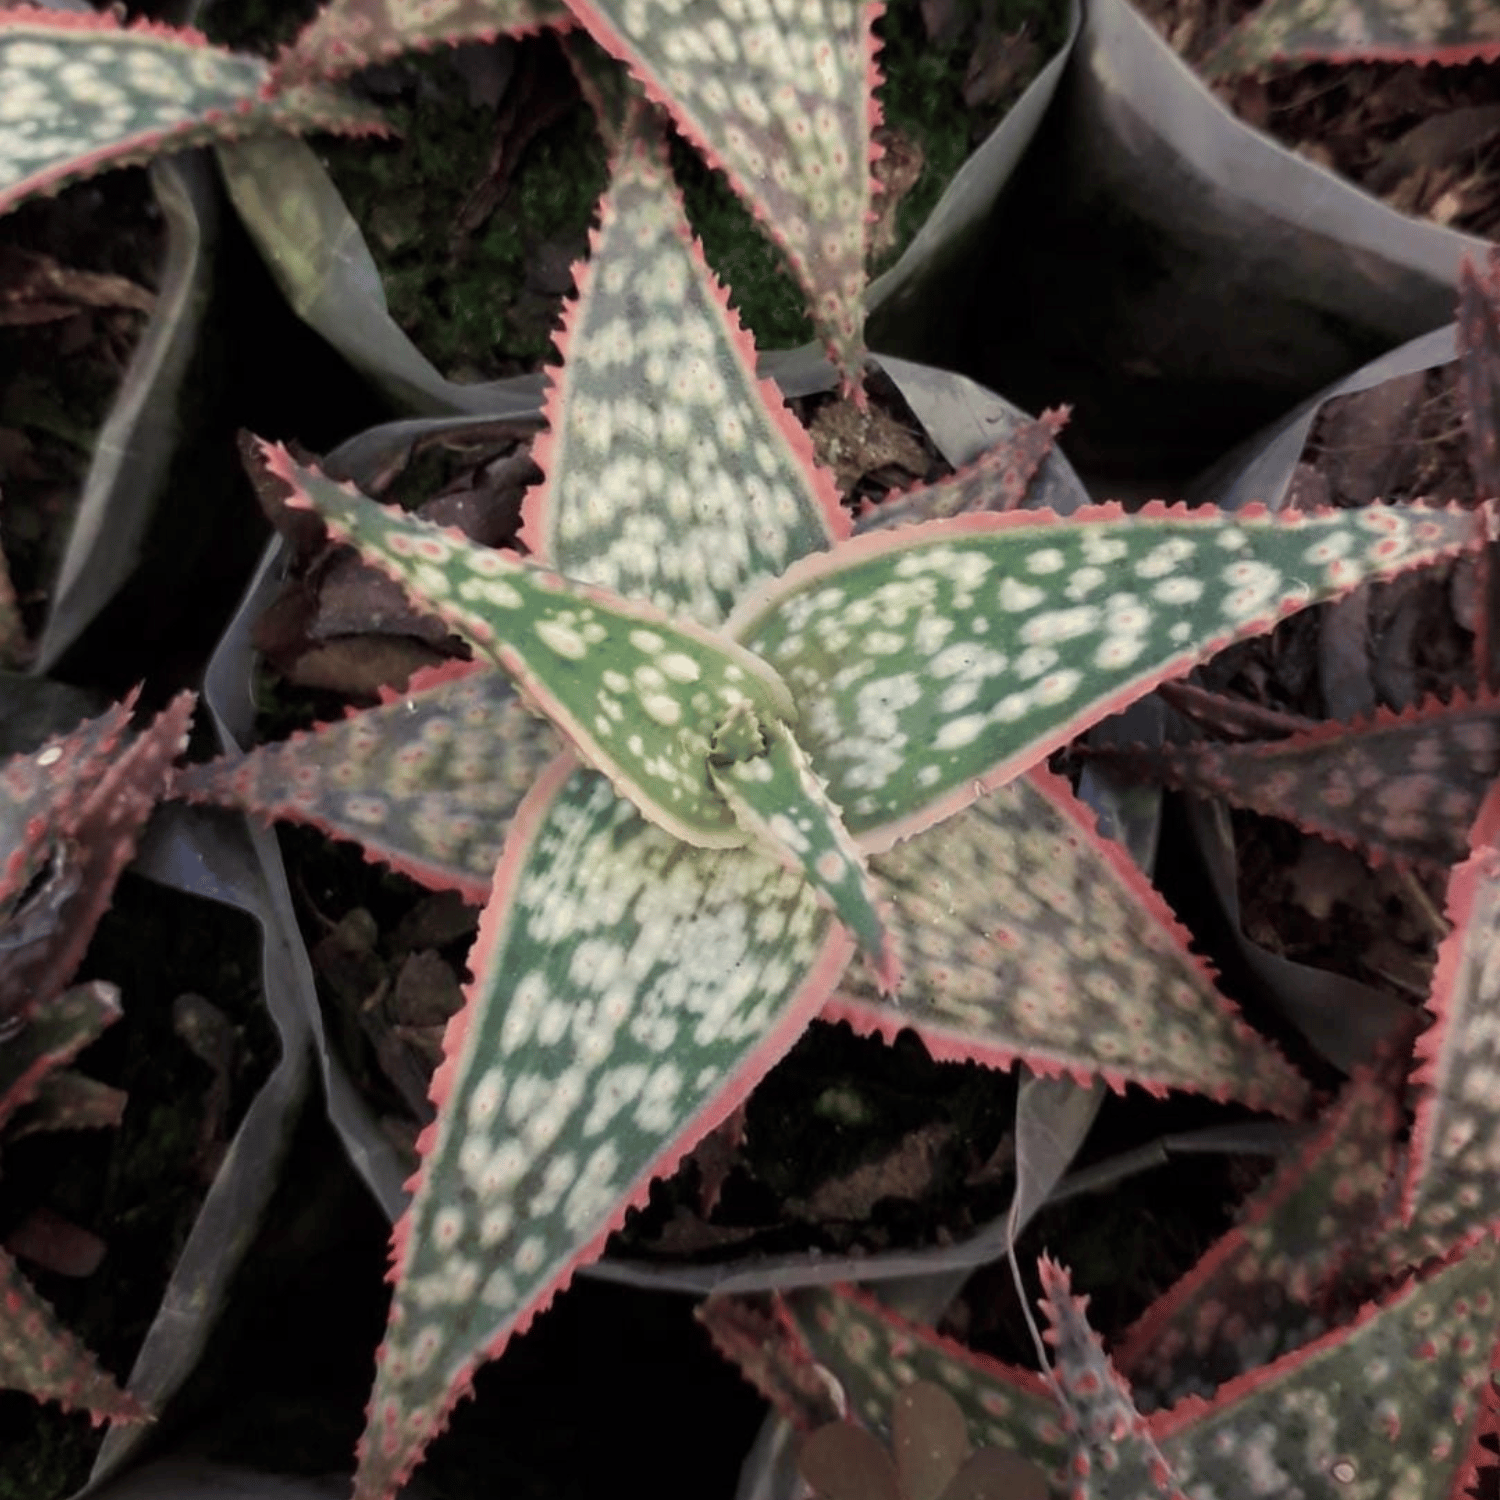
column 785, row 744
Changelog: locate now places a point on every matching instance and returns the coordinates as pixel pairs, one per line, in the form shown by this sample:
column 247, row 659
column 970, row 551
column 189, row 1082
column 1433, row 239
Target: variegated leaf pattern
column 1113, row 1452
column 1398, row 786
column 934, row 662
column 630, row 991
column 638, row 693
column 427, row 782
column 673, row 474
column 1021, row 933
column 1261, row 1290
column 39, row 1355
column 873, row 1353
column 1390, row 1406
column 772, row 792
column 57, row 1031
column 347, row 35
column 79, row 93
column 1292, row 33
column 781, row 99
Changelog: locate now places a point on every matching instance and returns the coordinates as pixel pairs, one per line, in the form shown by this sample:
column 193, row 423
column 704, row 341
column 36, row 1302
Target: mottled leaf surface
column 782, row 101
column 1113, row 1452
column 1291, row 33
column 933, row 662
column 638, row 693
column 79, row 93
column 873, row 1353
column 59, row 1029
column 1387, row 1407
column 1258, row 1292
column 427, row 782
column 1398, row 786
column 766, row 1346
column 1021, row 933
column 347, row 35
column 629, row 992
column 673, row 474
column 39, row 1355
column 997, row 480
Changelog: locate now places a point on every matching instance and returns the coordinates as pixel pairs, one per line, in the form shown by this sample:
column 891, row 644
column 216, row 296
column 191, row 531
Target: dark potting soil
column 191, row 1050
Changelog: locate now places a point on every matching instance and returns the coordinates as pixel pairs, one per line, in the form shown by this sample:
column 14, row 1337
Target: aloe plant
column 70, row 813
column 759, row 708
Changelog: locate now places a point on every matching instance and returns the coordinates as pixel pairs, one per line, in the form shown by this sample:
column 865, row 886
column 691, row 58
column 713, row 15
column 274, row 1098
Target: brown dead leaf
column 34, row 288
column 857, row 441
column 906, row 1172
column 56, row 1244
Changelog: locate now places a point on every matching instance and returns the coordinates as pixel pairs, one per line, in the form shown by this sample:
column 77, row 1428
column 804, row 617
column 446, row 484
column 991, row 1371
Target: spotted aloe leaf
column 427, row 782
column 81, row 92
column 934, row 662
column 1397, row 786
column 784, row 102
column 1022, row 933
column 873, row 1353
column 1263, row 1289
column 763, row 1341
column 347, row 35
column 673, row 473
column 1392, row 1404
column 1291, row 33
column 1113, row 1452
column 56, row 1032
column 629, row 991
column 638, row 693
column 70, row 815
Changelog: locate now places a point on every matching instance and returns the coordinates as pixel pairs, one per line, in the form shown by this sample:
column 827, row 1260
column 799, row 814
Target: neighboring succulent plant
column 70, row 813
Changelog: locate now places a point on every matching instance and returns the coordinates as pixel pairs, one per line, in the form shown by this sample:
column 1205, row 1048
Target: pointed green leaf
column 79, row 93
column 57, row 1031
column 629, row 990
column 1021, row 933
column 638, row 693
column 1387, row 1407
column 874, row 1353
column 427, row 782
column 783, row 103
column 347, row 35
column 673, row 473
column 1260, row 1290
column 1397, row 786
column 1292, row 33
column 1113, row 1451
column 765, row 1345
column 933, row 662
column 774, row 796
column 69, row 1100
column 39, row 1355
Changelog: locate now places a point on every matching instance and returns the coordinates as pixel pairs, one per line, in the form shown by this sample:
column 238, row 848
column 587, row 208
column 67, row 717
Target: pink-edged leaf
column 1260, row 1290
column 774, row 796
column 932, row 663
column 673, row 473
column 67, row 1100
column 106, row 796
column 1292, row 33
column 1389, row 1406
column 347, row 35
column 39, row 1355
column 1452, row 1190
column 82, row 93
column 426, row 783
column 783, row 102
column 56, row 1032
column 1396, row 786
column 1023, row 934
column 759, row 1336
column 1479, row 399
column 1113, row 1453
column 637, row 692
column 997, row 480
column 874, row 1353
column 629, row 991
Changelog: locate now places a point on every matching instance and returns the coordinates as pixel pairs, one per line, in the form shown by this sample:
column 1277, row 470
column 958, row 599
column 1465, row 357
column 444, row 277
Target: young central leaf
column 638, row 693
column 764, row 776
